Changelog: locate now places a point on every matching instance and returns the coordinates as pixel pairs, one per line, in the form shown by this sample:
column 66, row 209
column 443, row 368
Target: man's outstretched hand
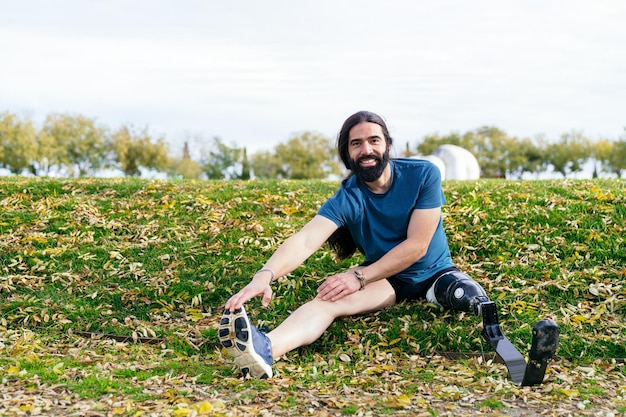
column 256, row 287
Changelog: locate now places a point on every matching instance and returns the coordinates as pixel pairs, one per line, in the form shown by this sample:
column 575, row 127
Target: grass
column 156, row 260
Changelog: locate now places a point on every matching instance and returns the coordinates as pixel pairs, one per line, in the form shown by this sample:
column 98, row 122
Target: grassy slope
column 158, row 259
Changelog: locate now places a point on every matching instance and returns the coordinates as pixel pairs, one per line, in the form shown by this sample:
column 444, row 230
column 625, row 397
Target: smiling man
column 388, row 209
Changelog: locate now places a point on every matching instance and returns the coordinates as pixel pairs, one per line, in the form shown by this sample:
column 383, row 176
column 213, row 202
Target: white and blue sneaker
column 251, row 348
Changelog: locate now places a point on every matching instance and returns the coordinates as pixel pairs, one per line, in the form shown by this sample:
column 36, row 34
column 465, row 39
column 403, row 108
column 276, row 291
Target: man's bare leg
column 308, row 323
column 254, row 351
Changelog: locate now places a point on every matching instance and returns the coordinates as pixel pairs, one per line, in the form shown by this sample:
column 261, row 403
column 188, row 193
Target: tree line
column 76, row 146
column 500, row 155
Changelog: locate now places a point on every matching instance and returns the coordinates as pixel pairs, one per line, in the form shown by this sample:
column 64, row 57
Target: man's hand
column 339, row 286
column 256, row 287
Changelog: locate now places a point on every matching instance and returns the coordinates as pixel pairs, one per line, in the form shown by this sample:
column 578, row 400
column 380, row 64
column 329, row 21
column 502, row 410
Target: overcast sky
column 257, row 72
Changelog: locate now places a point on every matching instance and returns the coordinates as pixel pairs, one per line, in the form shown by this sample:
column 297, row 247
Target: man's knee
column 457, row 291
column 376, row 296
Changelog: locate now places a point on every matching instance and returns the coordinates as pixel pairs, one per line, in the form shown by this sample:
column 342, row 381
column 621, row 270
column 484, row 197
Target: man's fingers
column 247, row 293
column 326, row 291
column 332, row 293
column 267, row 297
column 339, row 295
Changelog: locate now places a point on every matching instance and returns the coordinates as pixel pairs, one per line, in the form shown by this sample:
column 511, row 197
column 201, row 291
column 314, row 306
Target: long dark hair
column 342, row 243
column 341, row 240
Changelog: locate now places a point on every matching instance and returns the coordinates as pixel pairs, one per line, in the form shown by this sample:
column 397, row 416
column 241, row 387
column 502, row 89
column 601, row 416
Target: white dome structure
column 454, row 162
column 439, row 163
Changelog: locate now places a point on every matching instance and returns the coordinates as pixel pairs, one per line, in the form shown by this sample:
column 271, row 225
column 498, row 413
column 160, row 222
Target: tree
column 185, row 167
column 407, row 153
column 520, row 157
column 18, row 143
column 617, row 159
column 265, row 165
column 305, row 156
column 601, row 151
column 134, row 150
column 535, row 152
column 245, row 166
column 569, row 154
column 431, row 142
column 50, row 154
column 84, row 144
column 222, row 160
column 493, row 149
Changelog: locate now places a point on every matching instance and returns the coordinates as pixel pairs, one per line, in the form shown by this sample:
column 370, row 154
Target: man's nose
column 366, row 149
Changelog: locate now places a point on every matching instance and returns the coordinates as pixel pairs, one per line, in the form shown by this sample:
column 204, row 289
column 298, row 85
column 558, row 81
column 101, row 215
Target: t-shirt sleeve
column 331, row 210
column 431, row 193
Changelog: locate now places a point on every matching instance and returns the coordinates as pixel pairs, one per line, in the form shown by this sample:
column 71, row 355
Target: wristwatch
column 359, row 275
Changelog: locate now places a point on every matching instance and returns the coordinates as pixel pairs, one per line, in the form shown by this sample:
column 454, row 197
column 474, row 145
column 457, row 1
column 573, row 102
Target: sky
column 256, row 73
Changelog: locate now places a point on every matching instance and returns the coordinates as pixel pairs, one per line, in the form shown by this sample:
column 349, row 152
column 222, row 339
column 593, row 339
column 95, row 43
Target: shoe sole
column 235, row 337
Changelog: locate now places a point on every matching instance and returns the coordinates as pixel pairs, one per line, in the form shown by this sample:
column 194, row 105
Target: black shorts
column 415, row 291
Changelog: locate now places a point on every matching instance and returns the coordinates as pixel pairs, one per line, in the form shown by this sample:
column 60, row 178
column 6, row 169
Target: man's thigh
column 375, row 296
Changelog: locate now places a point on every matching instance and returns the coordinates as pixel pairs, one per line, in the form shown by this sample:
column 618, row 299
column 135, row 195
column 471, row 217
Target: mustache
column 370, row 156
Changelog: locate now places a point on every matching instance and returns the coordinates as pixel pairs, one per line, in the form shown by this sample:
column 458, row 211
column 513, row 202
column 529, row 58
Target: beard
column 370, row 174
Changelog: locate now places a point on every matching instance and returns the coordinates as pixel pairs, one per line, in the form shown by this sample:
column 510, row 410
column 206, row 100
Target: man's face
column 368, row 151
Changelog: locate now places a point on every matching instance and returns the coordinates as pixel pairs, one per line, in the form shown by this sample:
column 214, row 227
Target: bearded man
column 388, row 209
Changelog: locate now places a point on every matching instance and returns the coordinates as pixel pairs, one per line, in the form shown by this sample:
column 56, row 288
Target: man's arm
column 421, row 229
column 291, row 254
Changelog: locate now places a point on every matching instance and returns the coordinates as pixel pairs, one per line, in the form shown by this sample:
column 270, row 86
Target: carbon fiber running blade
column 513, row 360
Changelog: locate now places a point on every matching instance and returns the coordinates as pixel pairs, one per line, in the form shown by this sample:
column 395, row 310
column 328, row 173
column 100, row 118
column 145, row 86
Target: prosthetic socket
column 457, row 291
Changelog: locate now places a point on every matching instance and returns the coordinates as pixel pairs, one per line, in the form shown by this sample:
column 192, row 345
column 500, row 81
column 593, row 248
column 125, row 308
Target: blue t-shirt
column 379, row 222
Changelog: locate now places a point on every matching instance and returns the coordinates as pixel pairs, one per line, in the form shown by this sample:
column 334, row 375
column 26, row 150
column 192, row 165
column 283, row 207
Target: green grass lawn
column 113, row 288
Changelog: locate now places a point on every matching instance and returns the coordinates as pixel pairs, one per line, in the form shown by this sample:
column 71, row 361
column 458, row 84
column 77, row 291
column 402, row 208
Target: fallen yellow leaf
column 181, row 412
column 13, row 369
column 203, row 407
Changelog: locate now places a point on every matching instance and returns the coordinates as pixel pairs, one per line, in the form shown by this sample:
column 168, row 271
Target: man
column 390, row 210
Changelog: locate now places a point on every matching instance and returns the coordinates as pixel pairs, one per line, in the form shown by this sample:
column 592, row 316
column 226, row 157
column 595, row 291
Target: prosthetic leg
column 457, row 291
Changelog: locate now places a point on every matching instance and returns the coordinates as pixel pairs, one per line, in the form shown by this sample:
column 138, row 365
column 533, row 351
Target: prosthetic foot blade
column 544, row 345
column 512, row 358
